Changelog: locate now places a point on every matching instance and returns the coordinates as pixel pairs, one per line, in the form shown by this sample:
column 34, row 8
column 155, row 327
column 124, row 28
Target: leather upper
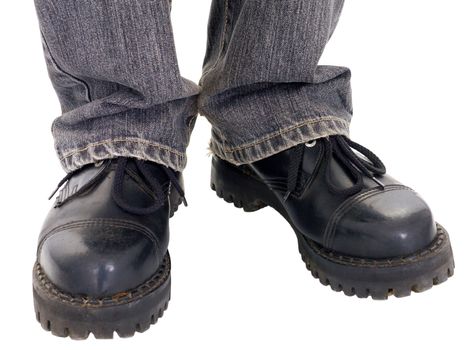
column 89, row 245
column 377, row 222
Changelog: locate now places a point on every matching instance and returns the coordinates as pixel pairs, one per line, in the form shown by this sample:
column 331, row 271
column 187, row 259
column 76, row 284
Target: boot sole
column 377, row 278
column 125, row 313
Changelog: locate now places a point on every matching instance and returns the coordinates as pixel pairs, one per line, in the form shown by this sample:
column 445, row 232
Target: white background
column 238, row 281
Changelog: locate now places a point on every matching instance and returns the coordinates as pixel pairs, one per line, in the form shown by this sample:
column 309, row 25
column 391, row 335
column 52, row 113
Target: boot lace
column 146, row 175
column 343, row 149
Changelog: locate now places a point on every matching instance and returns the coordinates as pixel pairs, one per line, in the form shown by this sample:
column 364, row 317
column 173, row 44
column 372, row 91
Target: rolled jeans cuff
column 123, row 147
column 280, row 140
column 158, row 134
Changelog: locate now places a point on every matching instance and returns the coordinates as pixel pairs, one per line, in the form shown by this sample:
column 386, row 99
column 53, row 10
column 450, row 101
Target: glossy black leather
column 375, row 223
column 90, row 246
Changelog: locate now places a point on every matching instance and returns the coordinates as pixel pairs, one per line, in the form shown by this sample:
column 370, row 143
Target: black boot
column 359, row 230
column 102, row 260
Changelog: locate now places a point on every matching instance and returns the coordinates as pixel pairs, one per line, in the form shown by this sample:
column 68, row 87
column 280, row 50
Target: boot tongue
column 345, row 166
column 315, row 157
column 339, row 175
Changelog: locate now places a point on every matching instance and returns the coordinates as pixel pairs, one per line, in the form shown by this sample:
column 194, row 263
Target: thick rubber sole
column 377, row 278
column 124, row 313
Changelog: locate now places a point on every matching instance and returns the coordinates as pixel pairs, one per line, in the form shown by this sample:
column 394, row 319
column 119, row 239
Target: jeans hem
column 124, row 147
column 275, row 142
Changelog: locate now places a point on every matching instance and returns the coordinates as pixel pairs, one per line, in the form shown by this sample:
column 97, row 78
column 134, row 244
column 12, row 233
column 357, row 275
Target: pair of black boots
column 103, row 265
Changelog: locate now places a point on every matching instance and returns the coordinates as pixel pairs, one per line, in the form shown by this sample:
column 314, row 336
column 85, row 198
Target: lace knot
column 343, row 150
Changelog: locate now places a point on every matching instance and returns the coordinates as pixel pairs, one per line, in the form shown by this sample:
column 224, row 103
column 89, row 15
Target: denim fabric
column 114, row 67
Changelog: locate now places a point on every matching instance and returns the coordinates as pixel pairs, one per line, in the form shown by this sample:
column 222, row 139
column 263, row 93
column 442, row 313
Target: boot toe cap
column 100, row 259
column 390, row 223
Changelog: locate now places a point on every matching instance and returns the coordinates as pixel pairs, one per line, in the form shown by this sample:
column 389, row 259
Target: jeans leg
column 113, row 65
column 262, row 88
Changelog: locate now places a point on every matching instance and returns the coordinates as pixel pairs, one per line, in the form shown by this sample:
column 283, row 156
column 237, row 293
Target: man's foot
column 359, row 230
column 102, row 262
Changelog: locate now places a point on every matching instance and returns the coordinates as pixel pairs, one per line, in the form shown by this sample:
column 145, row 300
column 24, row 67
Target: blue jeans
column 114, row 67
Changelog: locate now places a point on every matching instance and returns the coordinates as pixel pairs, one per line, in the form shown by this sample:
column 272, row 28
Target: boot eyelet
column 311, row 144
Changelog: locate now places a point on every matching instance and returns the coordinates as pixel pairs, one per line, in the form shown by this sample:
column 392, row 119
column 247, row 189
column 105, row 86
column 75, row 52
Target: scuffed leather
column 375, row 223
column 90, row 246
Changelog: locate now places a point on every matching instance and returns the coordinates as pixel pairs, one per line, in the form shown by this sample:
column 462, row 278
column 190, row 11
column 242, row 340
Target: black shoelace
column 342, row 148
column 147, row 176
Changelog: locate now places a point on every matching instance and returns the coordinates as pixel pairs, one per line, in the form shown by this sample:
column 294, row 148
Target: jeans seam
column 223, row 41
column 63, row 71
column 281, row 132
column 150, row 143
